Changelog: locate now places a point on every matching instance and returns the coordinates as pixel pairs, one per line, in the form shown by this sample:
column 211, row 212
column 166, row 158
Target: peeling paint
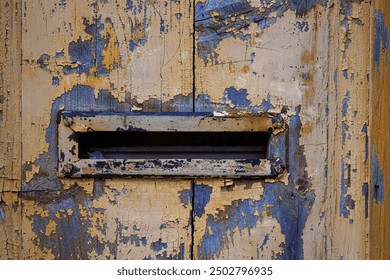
column 250, row 57
column 378, row 187
column 381, row 39
column 215, row 20
column 239, row 98
column 346, row 201
column 201, row 198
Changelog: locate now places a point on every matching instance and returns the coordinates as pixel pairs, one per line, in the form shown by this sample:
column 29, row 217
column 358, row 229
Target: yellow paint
column 160, row 67
column 51, row 228
column 379, row 131
column 30, row 174
column 111, row 53
column 242, row 245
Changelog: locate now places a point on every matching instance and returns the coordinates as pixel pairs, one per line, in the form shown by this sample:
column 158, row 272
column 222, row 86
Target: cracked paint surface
column 244, row 57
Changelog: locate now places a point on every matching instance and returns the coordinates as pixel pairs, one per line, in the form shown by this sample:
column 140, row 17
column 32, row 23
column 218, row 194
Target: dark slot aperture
column 172, row 145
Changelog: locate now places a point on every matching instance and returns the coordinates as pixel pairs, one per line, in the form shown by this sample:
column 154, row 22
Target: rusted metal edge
column 188, row 168
column 190, row 122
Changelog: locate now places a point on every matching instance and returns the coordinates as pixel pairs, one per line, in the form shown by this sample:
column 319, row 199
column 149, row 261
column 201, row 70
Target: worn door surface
column 302, row 60
column 102, row 56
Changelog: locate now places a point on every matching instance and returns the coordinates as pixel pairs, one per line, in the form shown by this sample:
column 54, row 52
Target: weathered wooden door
column 301, row 60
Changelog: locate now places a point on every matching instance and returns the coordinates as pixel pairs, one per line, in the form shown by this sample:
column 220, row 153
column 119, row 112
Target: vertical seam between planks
column 20, row 54
column 369, row 252
column 193, row 57
column 192, row 218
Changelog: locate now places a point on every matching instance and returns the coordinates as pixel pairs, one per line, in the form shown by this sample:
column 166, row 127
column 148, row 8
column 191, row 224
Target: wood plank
column 254, row 57
column 10, row 77
column 235, row 220
column 115, row 56
column 345, row 206
column 149, row 51
column 10, row 130
column 380, row 133
column 108, row 219
column 10, row 226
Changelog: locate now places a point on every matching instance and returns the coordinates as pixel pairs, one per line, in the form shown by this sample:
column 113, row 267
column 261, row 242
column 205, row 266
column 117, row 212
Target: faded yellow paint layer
column 10, row 53
column 10, row 226
column 380, row 135
column 344, row 208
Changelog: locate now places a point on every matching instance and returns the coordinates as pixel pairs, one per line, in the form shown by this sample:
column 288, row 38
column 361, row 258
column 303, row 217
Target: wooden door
column 115, row 56
column 309, row 61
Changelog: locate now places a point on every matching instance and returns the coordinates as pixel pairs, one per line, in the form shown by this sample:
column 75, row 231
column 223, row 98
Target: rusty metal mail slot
column 158, row 145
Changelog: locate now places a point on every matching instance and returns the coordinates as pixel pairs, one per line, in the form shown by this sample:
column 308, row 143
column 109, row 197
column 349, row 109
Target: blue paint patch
column 162, row 25
column 335, row 77
column 132, row 45
column 213, row 29
column 365, row 193
column 266, row 238
column 290, row 206
column 346, row 201
column 302, row 26
column 381, row 37
column 59, row 54
column 82, row 53
column 345, row 104
column 158, row 245
column 365, row 131
column 302, row 7
column 239, row 98
column 266, row 104
column 55, row 81
column 43, row 61
column 163, row 226
column 62, row 3
column 165, row 256
column 322, row 216
column 345, row 73
column 344, row 128
column 344, row 191
column 2, row 211
column 180, row 256
column 186, row 197
column 253, row 56
column 138, row 241
column 267, row 22
column 305, row 76
column 378, row 184
column 98, row 188
column 202, row 195
column 129, row 5
column 99, row 42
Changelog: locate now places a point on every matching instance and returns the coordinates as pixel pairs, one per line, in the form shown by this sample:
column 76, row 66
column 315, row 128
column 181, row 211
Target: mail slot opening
column 112, row 144
column 172, row 145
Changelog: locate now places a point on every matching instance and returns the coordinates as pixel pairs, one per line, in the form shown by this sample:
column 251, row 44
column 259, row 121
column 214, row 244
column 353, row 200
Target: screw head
column 277, row 122
column 68, row 168
column 279, row 169
column 278, row 166
column 68, row 121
